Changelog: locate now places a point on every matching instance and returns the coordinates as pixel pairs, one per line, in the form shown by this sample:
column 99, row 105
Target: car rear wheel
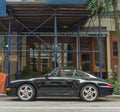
column 26, row 92
column 89, row 93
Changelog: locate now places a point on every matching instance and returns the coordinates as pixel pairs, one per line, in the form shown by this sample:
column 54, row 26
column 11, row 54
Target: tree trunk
column 116, row 19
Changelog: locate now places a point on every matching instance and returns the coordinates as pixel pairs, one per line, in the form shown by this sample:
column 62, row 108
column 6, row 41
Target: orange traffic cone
column 2, row 82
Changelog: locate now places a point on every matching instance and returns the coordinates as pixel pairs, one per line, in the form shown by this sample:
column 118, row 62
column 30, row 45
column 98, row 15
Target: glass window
column 81, row 74
column 67, row 73
column 69, row 55
column 115, row 49
column 33, row 55
column 85, row 57
column 63, row 73
column 84, row 44
column 54, row 73
column 86, row 62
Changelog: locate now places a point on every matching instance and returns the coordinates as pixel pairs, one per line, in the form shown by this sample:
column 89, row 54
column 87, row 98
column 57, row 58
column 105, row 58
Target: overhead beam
column 45, row 14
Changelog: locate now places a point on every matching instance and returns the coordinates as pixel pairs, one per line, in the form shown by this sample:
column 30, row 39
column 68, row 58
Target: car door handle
column 56, row 83
column 69, row 81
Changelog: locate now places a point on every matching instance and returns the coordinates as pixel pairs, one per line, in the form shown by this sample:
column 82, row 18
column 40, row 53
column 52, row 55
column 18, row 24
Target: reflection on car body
column 61, row 82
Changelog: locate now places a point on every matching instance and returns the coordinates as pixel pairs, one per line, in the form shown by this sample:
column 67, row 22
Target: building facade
column 54, row 35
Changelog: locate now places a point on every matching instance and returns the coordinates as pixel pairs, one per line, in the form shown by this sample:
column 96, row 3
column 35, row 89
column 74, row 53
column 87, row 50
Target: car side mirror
column 46, row 76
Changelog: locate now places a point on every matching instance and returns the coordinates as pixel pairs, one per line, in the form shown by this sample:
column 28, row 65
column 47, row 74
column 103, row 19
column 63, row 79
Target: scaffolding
column 21, row 36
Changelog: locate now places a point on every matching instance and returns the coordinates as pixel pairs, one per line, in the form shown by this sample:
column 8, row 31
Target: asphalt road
column 107, row 104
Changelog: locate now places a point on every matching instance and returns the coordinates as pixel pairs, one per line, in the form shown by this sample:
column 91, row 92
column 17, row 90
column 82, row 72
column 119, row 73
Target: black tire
column 26, row 92
column 89, row 93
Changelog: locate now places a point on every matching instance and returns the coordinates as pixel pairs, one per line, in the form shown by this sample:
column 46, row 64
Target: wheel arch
column 83, row 84
column 29, row 84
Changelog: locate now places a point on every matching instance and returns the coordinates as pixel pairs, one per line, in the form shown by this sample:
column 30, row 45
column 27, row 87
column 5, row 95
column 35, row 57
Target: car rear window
column 81, row 74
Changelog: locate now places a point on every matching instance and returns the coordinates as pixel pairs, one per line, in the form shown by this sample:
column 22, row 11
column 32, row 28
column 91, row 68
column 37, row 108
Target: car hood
column 22, row 80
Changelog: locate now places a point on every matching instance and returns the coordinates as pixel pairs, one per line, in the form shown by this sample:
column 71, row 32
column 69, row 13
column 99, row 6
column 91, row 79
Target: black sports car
column 61, row 82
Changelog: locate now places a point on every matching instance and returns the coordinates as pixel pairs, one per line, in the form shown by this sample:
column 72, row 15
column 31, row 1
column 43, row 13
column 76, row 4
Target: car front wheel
column 26, row 92
column 89, row 93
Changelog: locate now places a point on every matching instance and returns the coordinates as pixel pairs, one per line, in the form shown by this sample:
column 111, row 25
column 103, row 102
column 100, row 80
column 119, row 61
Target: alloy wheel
column 89, row 93
column 26, row 92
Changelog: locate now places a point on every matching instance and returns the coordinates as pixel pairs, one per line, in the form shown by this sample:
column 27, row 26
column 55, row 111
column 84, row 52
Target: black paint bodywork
column 54, row 85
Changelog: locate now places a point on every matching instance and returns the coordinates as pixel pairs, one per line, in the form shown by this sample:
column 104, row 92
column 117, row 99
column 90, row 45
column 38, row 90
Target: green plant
column 116, row 86
column 27, row 71
column 46, row 70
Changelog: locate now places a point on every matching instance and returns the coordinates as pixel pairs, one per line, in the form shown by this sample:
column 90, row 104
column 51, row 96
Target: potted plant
column 27, row 72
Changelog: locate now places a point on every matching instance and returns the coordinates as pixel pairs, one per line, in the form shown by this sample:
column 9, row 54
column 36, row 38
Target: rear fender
column 83, row 84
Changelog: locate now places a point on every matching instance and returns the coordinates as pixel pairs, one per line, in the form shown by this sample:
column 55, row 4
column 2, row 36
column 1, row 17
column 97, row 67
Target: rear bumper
column 106, row 91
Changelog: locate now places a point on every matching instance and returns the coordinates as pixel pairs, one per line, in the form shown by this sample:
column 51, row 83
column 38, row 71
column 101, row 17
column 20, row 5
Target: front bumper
column 11, row 91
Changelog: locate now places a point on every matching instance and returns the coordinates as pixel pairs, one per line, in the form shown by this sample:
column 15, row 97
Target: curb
column 113, row 96
column 2, row 94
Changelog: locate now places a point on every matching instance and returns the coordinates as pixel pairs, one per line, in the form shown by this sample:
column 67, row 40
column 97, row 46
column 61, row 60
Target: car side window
column 58, row 73
column 67, row 73
column 62, row 73
column 80, row 74
column 55, row 73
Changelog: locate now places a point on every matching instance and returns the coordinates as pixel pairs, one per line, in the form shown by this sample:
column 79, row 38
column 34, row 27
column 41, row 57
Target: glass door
column 45, row 57
column 85, row 62
column 33, row 56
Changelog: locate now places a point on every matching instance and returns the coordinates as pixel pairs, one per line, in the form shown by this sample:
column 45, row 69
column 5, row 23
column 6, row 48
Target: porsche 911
column 61, row 82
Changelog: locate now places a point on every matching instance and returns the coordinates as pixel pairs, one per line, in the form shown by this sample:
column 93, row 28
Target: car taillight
column 109, row 85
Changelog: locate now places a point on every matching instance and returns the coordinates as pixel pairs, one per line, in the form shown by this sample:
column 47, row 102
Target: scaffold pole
column 55, row 40
column 8, row 52
column 100, row 43
column 78, row 26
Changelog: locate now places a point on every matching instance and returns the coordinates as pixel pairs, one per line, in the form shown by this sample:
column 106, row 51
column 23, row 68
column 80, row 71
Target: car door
column 58, row 84
column 49, row 85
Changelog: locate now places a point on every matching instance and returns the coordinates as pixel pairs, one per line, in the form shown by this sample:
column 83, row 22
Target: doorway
column 85, row 62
